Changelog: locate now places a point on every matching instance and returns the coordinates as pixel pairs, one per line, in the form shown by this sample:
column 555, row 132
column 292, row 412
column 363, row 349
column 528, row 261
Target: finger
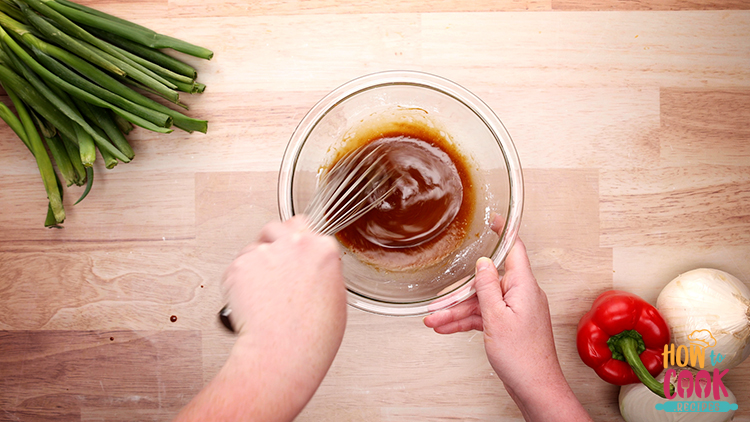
column 253, row 247
column 298, row 223
column 275, row 230
column 517, row 268
column 487, row 285
column 245, row 259
column 474, row 322
column 497, row 223
column 271, row 232
column 462, row 310
column 517, row 260
column 249, row 248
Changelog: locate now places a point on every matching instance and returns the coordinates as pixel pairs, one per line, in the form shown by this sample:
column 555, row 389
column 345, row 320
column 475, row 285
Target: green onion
column 4, row 59
column 64, row 104
column 138, row 72
column 75, row 158
column 167, row 74
column 56, row 98
column 104, row 49
column 86, row 146
column 192, row 88
column 12, row 11
column 42, row 159
column 35, row 100
column 89, row 183
column 15, row 124
column 101, row 118
column 85, row 79
column 134, row 84
column 153, row 116
column 44, row 126
column 64, row 40
column 64, row 165
column 114, row 91
column 125, row 29
column 51, row 221
column 109, row 160
column 71, row 89
column 56, row 148
column 72, row 60
column 122, row 124
column 153, row 55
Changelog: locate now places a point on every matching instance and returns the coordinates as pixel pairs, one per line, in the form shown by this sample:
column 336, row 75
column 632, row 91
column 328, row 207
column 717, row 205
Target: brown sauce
column 428, row 214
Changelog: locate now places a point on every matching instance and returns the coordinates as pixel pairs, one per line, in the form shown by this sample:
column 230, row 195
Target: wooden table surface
column 631, row 119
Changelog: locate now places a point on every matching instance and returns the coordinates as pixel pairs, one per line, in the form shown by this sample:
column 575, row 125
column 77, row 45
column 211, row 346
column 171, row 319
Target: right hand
column 288, row 301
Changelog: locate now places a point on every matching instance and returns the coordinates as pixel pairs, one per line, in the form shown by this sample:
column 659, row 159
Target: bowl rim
column 465, row 289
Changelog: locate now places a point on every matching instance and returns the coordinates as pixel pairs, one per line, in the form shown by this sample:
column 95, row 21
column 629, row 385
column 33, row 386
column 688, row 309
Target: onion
column 710, row 308
column 638, row 404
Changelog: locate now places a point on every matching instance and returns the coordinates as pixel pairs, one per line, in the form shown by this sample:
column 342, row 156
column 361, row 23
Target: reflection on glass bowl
column 434, row 277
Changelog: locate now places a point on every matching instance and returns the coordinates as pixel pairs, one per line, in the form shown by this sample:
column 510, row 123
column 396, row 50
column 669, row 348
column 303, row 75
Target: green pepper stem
column 628, row 346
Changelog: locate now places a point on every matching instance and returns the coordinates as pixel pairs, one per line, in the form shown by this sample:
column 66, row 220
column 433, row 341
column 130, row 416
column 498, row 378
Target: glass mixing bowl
column 473, row 129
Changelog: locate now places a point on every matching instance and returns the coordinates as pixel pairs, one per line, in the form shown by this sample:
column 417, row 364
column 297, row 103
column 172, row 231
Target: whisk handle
column 224, row 318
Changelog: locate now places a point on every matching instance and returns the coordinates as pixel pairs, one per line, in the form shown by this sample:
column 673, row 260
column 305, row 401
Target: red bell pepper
column 622, row 337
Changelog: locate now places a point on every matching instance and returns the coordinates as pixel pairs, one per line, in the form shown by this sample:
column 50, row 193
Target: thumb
column 487, row 285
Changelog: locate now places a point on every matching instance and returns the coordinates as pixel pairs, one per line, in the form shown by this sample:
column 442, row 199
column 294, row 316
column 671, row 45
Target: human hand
column 513, row 313
column 288, row 302
column 288, row 306
column 288, row 274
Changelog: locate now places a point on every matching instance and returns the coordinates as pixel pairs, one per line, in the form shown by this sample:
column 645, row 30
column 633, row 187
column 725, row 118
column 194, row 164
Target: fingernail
column 484, row 263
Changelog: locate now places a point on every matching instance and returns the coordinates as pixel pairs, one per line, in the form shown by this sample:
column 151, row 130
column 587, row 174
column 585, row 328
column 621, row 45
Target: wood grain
column 675, row 206
column 563, row 204
column 606, row 127
column 114, row 199
column 405, row 351
column 649, row 5
column 694, row 121
column 131, row 9
column 77, row 375
column 265, row 7
column 246, row 201
column 589, row 49
column 100, row 286
column 630, row 119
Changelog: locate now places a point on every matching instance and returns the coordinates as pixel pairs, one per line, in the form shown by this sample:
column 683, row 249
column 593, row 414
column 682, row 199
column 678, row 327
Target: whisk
column 350, row 189
column 355, row 185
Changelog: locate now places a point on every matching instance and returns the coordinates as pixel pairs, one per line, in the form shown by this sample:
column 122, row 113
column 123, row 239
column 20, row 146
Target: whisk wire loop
column 327, row 188
column 344, row 221
column 349, row 190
